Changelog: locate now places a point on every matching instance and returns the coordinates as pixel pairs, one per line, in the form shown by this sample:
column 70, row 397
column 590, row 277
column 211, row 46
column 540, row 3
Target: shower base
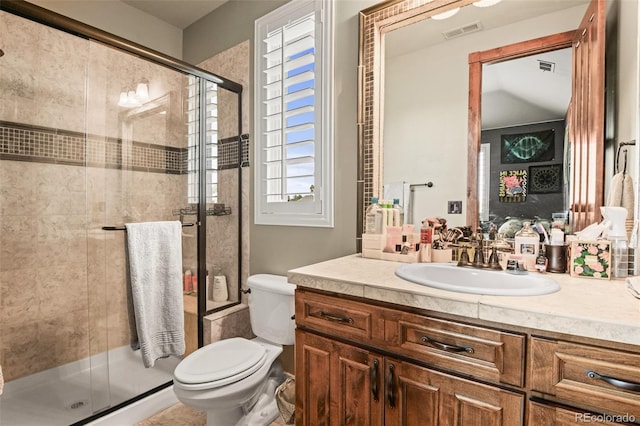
column 64, row 395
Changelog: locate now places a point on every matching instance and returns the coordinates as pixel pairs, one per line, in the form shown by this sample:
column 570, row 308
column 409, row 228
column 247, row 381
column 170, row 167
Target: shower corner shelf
column 193, row 210
column 219, row 212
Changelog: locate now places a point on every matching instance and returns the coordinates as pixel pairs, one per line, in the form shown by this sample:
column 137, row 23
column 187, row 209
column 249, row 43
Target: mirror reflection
column 425, row 112
column 524, row 159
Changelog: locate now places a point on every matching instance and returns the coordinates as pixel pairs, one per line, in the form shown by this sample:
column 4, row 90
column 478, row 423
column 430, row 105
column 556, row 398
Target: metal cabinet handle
column 374, row 379
column 391, row 397
column 333, row 318
column 630, row 386
column 445, row 347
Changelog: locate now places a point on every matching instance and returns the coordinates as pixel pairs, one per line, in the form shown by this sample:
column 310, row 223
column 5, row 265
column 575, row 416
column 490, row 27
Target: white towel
column 401, row 191
column 1, row 380
column 621, row 193
column 154, row 252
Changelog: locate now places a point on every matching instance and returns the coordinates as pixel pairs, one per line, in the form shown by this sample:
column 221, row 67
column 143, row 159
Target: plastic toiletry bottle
column 187, row 281
column 527, row 243
column 220, row 292
column 398, row 213
column 541, row 261
column 426, row 238
column 389, row 207
column 194, row 283
column 617, row 234
column 385, row 214
column 373, row 224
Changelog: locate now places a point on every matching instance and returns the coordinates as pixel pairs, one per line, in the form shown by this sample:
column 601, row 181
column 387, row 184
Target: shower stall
column 95, row 132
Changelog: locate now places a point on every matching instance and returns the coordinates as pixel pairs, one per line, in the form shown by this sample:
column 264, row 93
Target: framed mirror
column 445, row 150
column 138, row 122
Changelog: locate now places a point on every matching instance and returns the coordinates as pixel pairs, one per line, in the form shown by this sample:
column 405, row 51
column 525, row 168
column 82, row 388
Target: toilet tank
column 271, row 308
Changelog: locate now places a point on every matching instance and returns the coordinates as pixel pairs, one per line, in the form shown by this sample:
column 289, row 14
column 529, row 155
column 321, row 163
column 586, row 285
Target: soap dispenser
column 527, row 244
column 220, row 293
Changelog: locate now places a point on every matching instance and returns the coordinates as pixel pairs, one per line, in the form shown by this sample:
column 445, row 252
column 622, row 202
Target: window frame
column 319, row 211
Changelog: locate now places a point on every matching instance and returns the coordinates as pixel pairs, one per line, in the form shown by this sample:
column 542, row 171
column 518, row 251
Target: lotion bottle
column 220, row 292
column 187, row 281
column 373, row 224
column 398, row 212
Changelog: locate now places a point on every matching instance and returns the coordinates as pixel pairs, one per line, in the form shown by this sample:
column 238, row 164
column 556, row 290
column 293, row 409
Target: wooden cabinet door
column 337, row 384
column 417, row 396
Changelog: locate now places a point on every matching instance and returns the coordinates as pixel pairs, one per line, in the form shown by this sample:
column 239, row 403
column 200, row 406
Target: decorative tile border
column 22, row 142
column 374, row 21
column 228, row 152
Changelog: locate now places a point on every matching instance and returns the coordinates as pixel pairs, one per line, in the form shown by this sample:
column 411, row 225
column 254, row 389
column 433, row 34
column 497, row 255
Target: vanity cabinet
column 369, row 365
column 541, row 414
column 587, row 377
column 340, row 384
column 363, row 362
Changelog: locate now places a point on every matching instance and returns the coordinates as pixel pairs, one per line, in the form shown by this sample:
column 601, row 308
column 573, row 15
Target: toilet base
column 262, row 413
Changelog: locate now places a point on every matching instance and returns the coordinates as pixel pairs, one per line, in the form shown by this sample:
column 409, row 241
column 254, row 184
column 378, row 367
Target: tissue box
column 590, row 259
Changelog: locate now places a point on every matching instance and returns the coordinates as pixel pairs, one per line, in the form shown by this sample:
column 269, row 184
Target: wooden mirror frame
column 476, row 61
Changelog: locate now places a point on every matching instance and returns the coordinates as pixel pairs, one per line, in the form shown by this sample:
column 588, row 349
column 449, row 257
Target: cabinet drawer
column 478, row 351
column 547, row 415
column 343, row 318
column 603, row 380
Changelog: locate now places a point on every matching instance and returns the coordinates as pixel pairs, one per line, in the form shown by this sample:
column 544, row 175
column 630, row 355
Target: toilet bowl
column 234, row 380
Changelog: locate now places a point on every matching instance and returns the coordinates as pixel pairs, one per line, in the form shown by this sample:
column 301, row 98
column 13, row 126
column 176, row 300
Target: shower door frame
column 54, row 20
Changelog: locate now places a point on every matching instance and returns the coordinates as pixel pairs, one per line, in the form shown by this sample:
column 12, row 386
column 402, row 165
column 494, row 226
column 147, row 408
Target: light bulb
column 142, row 92
column 445, row 15
column 486, row 3
column 123, row 99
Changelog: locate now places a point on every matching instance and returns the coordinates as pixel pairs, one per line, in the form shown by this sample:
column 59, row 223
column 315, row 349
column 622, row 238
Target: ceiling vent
column 463, row 30
column 546, row 66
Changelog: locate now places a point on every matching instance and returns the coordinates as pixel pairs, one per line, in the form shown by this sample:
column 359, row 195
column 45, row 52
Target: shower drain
column 76, row 405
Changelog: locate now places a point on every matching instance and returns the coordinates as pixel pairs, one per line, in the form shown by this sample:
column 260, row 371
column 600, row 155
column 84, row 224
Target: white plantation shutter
column 293, row 148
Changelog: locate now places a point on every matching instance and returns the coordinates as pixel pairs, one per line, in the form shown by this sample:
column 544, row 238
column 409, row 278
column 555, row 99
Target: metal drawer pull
column 631, row 386
column 329, row 317
column 374, row 379
column 390, row 388
column 445, row 347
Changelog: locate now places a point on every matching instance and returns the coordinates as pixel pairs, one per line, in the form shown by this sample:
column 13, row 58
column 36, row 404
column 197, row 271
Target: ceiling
column 179, row 13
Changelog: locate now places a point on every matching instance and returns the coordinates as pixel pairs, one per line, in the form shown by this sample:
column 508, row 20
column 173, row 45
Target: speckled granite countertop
column 584, row 307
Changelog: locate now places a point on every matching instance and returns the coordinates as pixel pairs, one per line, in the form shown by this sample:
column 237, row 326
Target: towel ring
column 620, row 146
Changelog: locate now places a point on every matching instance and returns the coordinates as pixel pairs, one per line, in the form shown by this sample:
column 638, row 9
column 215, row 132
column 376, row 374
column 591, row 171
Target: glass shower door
column 137, row 172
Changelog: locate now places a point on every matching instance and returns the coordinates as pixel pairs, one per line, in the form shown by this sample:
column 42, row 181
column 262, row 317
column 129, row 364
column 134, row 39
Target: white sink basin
column 477, row 281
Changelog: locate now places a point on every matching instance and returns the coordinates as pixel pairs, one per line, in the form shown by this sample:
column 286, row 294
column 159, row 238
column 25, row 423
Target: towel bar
column 122, row 228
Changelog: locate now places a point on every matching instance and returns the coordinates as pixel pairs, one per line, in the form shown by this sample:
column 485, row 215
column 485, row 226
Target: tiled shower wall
column 62, row 278
column 222, row 231
column 65, row 172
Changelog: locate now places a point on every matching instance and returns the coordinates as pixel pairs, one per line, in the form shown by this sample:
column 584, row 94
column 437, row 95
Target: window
column 293, row 120
column 211, row 139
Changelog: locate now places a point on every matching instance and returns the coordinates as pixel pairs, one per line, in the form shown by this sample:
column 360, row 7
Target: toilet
column 234, row 380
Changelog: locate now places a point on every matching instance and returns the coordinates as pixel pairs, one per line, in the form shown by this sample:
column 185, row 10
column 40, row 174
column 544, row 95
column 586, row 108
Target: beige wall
column 276, row 249
column 435, row 131
column 123, row 20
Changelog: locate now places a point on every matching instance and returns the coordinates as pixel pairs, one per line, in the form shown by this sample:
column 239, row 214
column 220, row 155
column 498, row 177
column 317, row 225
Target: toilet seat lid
column 234, row 359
